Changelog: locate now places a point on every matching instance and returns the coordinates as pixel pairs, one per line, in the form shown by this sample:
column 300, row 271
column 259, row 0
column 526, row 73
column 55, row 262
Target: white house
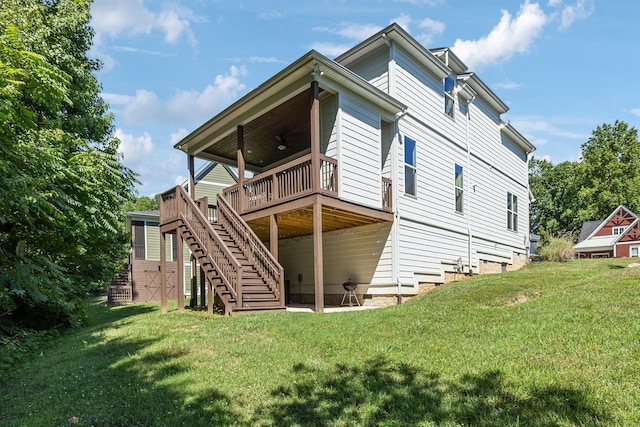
column 389, row 166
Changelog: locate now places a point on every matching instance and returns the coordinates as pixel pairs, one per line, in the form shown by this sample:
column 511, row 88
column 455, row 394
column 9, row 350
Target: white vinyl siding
column 329, row 126
column 362, row 254
column 360, row 152
column 373, row 68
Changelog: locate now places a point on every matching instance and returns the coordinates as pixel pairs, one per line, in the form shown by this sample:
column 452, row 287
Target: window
column 634, row 251
column 618, row 230
column 459, row 184
column 174, row 247
column 512, row 212
column 449, row 99
column 409, row 166
column 139, row 251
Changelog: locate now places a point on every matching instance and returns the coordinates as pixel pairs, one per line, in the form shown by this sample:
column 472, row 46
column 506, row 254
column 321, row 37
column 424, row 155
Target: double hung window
column 512, row 212
column 410, row 170
column 449, row 97
column 459, row 191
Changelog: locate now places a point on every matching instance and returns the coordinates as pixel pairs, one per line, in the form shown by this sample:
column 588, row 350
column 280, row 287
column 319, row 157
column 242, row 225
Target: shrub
column 556, row 249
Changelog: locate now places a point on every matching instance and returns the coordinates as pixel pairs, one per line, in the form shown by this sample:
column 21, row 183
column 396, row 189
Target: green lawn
column 550, row 345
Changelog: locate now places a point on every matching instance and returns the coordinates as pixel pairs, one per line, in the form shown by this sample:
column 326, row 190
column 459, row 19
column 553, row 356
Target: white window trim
column 414, row 167
column 634, row 247
column 449, row 96
column 511, row 213
column 618, row 230
column 456, row 188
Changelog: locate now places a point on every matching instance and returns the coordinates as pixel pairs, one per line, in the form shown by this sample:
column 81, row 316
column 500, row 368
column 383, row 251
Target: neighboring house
column 616, row 236
column 144, row 265
column 389, row 166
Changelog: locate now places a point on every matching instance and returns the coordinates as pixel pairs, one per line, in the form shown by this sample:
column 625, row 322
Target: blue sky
column 563, row 67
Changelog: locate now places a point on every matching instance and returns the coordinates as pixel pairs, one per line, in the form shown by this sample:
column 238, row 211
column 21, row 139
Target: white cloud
column 511, row 35
column 268, row 15
column 419, row 2
column 433, row 28
column 330, row 49
column 635, row 111
column 133, row 148
column 436, row 27
column 112, row 18
column 350, row 30
column 536, row 125
column 178, row 135
column 180, row 179
column 257, row 59
column 185, row 107
column 404, row 21
column 508, row 85
column 568, row 14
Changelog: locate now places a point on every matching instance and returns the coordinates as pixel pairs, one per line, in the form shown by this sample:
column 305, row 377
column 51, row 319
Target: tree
column 143, row 203
column 570, row 193
column 555, row 190
column 62, row 180
column 611, row 173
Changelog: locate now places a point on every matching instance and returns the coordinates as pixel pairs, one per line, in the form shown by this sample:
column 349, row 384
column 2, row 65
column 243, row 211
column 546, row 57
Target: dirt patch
column 521, row 298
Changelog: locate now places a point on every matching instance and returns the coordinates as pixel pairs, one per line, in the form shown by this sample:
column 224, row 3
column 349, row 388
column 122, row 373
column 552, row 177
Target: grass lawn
column 550, row 345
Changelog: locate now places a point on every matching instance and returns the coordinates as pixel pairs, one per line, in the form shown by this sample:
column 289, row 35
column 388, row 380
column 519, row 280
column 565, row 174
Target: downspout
column 468, row 144
column 395, row 189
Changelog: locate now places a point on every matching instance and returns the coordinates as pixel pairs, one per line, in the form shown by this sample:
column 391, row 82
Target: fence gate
column 152, row 280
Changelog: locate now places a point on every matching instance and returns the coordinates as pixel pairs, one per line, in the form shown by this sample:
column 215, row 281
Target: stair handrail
column 228, row 267
column 253, row 248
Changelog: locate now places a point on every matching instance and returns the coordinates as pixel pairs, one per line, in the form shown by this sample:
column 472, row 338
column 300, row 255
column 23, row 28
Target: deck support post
column 180, row 271
column 203, row 288
column 318, row 278
column 314, row 118
column 240, row 157
column 163, row 273
column 273, row 235
column 209, row 297
column 194, row 283
column 192, row 178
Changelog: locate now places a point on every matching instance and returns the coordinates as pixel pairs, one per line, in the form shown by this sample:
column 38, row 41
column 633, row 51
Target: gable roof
column 588, row 227
column 440, row 61
column 289, row 82
column 208, row 167
column 609, row 218
column 590, row 241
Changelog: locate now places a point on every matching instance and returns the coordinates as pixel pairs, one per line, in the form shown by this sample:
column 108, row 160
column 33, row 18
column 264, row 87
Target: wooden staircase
column 243, row 274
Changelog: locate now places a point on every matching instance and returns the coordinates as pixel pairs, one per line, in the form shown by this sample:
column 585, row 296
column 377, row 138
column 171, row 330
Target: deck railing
column 253, row 248
column 289, row 181
column 176, row 204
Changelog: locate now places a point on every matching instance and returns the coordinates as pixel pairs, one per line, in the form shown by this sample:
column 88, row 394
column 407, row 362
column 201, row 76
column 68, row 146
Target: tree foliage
column 63, row 182
column 570, row 193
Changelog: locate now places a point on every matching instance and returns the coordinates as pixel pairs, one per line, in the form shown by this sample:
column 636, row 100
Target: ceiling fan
column 282, row 142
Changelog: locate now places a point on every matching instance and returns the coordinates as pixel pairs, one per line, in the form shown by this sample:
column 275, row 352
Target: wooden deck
column 290, row 192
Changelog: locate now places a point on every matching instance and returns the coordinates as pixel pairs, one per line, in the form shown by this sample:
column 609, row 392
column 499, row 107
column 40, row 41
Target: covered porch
column 288, row 159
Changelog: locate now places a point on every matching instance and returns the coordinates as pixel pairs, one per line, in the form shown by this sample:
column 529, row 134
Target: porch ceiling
column 289, row 121
column 299, row 222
